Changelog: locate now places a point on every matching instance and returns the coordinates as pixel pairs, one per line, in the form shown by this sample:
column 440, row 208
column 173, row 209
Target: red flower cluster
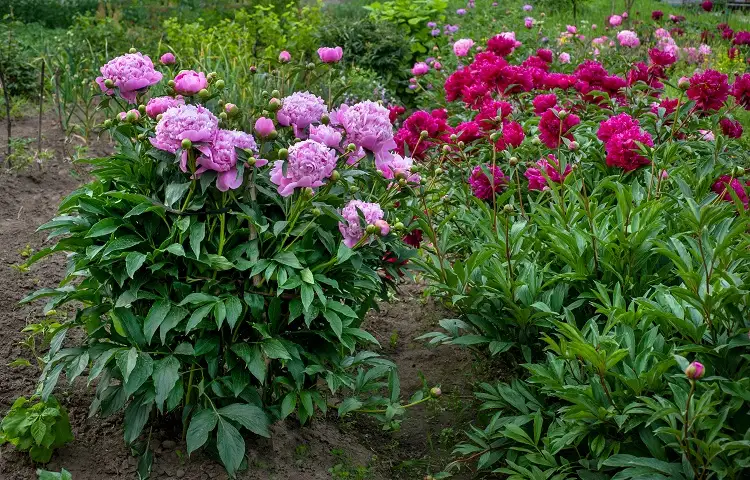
column 742, row 38
column 542, row 103
column 741, row 90
column 730, row 128
column 724, row 183
column 410, row 134
column 657, row 15
column 556, row 124
column 622, row 135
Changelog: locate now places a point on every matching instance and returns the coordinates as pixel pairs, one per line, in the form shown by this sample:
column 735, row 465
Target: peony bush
column 221, row 265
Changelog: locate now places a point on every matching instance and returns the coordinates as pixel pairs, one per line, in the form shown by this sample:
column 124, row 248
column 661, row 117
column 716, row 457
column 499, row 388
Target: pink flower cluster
column 482, row 186
column 300, row 110
column 221, row 157
column 308, row 164
column 352, row 230
column 622, row 135
column 368, row 126
column 159, row 105
column 546, row 169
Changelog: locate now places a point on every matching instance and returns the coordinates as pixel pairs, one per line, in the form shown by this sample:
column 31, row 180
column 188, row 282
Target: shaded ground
column 355, row 448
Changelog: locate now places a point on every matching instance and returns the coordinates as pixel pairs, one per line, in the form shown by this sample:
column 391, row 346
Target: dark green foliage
column 37, row 427
column 50, row 13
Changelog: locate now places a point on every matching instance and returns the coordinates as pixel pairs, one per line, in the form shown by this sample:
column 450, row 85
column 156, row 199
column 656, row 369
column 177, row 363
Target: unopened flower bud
column 495, row 136
column 274, row 104
column 536, row 141
column 251, row 160
column 275, row 93
column 351, row 147
column 695, row 371
column 142, row 109
column 435, row 391
column 573, row 146
column 461, row 144
column 253, row 69
column 438, row 171
column 220, row 84
column 283, row 153
column 513, row 161
column 316, row 212
column 132, row 116
column 109, row 83
column 683, row 83
column 402, row 182
column 308, row 192
column 382, row 227
column 325, row 119
column 159, row 117
column 446, row 148
column 231, row 109
column 132, row 50
column 171, row 83
column 563, row 114
column 371, row 229
column 353, row 189
column 203, row 93
column 310, row 66
column 141, row 137
column 423, row 134
column 335, row 175
column 186, row 144
column 454, row 137
column 738, row 171
column 508, row 209
column 223, row 115
column 107, row 123
column 398, row 226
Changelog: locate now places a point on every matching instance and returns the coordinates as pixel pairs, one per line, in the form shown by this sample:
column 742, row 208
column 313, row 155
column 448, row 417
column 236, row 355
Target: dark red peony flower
column 456, row 82
column 724, row 183
column 668, row 104
column 413, row 238
column 664, row 58
column 552, row 128
column 623, row 149
column 468, row 132
column 730, row 128
column 512, row 135
column 657, row 15
column 709, row 90
column 559, row 80
column 615, row 124
column 742, row 38
column 503, row 44
column 481, row 185
column 487, row 118
column 545, row 54
column 410, row 133
column 395, row 111
column 708, row 5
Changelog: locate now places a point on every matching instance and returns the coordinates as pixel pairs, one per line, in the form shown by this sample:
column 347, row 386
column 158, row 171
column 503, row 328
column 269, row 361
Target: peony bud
column 310, row 66
column 171, row 83
column 275, row 93
column 186, row 144
column 109, row 83
column 253, row 69
column 438, row 171
column 264, row 127
column 274, row 104
column 231, row 109
column 325, row 119
column 335, row 175
column 423, row 134
column 353, row 189
column 308, row 192
column 220, row 84
column 107, row 123
column 167, row 59
column 383, row 227
column 513, row 161
column 398, row 226
column 351, row 147
column 435, row 391
column 203, row 93
column 283, row 153
column 683, row 83
column 573, row 146
column 371, row 229
column 252, row 160
column 133, row 50
column 738, row 171
column 284, row 56
column 508, row 209
column 316, row 212
column 132, row 116
column 142, row 109
column 446, row 148
column 223, row 115
column 695, row 371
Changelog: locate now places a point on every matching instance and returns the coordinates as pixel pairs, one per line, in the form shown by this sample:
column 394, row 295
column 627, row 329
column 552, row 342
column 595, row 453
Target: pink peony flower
column 724, row 183
column 461, row 47
column 130, row 73
column 628, row 38
column 352, row 230
column 542, row 103
column 395, row 167
column 481, row 185
column 615, row 20
column 709, row 90
column 158, row 105
column 326, row 134
column 299, row 110
column 167, row 58
column 572, row 29
column 284, row 56
column 185, row 122
column 190, row 82
column 695, row 371
column 554, row 125
column 419, row 69
column 707, row 135
column 623, row 148
column 222, row 158
column 564, row 57
column 461, row 11
column 546, row 168
column 527, row 8
column 308, row 164
column 528, row 22
column 264, row 126
column 367, row 125
column 330, row 55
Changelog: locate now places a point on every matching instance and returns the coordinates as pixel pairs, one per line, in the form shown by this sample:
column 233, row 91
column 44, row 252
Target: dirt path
column 356, row 449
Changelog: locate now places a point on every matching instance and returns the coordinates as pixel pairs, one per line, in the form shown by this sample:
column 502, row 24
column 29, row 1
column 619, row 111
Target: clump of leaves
column 47, row 475
column 36, row 426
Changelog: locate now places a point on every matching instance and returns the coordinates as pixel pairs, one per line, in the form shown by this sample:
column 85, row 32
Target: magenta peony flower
column 512, row 135
column 352, row 230
column 158, row 105
column 190, row 82
column 461, row 47
column 130, row 73
column 615, row 124
column 731, row 128
column 481, row 185
column 628, row 38
column 545, row 54
column 657, row 15
column 528, row 22
column 623, row 150
column 308, row 164
column 167, row 59
column 326, row 134
column 185, row 122
column 461, row 11
column 395, row 167
column 284, row 56
column 695, row 371
column 556, row 124
column 709, row 90
column 741, row 38
column 615, row 20
column 724, row 183
column 663, row 58
column 367, row 125
column 301, row 109
column 708, row 5
column 542, row 103
column 503, row 44
column 572, row 29
column 420, row 68
column 741, row 90
column 222, row 158
column 330, row 55
column 547, row 168
column 264, row 126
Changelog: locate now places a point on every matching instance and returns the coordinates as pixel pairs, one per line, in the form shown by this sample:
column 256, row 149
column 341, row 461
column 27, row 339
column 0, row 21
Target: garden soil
column 356, row 448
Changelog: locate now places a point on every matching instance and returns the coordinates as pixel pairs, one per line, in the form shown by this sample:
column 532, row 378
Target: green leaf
column 134, row 261
column 136, row 416
column 174, row 317
column 174, row 192
column 343, row 254
column 166, row 374
column 38, row 430
column 126, row 362
column 288, row 259
column 121, row 243
column 144, row 367
column 249, row 416
column 275, row 349
column 334, row 321
column 156, row 314
column 176, row 249
column 201, row 425
column 197, row 234
column 104, row 227
column 307, row 294
column 220, row 313
column 198, row 315
column 349, row 405
column 288, row 404
column 307, row 276
column 198, row 297
column 231, row 447
column 253, row 359
column 233, row 310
